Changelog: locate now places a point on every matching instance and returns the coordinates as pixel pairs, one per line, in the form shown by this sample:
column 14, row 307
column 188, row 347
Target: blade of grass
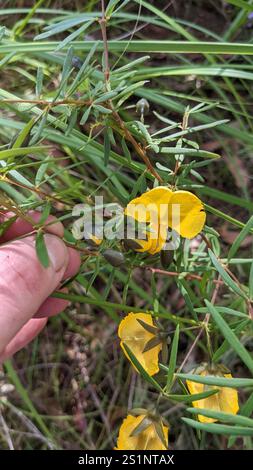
column 231, row 338
column 12, row 374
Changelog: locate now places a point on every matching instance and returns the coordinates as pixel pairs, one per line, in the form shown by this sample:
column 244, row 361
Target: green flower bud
column 142, row 108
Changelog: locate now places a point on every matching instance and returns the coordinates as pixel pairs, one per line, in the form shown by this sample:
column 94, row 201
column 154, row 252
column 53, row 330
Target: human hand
column 26, row 286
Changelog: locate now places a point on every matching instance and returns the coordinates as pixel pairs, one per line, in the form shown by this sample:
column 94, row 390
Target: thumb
column 25, row 283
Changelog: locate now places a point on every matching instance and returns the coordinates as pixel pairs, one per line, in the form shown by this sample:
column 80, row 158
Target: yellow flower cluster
column 136, row 330
column 161, row 209
column 139, row 333
column 132, row 333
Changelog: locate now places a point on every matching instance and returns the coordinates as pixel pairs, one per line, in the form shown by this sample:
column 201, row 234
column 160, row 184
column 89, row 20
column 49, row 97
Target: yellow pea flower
column 225, row 400
column 136, row 337
column 162, row 208
column 147, row 439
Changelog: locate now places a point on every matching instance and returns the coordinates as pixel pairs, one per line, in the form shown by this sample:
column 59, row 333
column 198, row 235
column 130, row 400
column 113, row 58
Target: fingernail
column 57, row 252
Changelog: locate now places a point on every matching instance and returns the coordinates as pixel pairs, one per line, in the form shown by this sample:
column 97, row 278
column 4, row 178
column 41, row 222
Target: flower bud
column 77, row 62
column 142, row 106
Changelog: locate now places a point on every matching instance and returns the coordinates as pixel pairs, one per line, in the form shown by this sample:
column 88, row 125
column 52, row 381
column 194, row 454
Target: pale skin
column 26, row 286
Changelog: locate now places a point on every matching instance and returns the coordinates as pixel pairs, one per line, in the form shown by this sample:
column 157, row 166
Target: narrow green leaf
column 231, row 338
column 219, row 381
column 150, row 328
column 251, row 282
column 37, row 134
column 66, row 70
column 241, row 4
column 18, row 152
column 85, row 116
column 39, row 82
column 60, row 27
column 189, row 130
column 218, row 354
column 224, row 216
column 149, row 46
column 74, row 35
column 102, row 109
column 190, row 398
column 130, row 64
column 112, row 4
column 219, row 428
column 226, row 310
column 19, row 26
column 41, row 249
column 226, row 417
column 152, row 343
column 160, row 432
column 217, row 70
column 79, row 76
column 45, row 213
column 16, row 175
column 105, row 97
column 189, row 152
column 173, row 359
column 23, row 134
column 225, row 276
column 72, row 121
column 41, row 172
column 239, row 239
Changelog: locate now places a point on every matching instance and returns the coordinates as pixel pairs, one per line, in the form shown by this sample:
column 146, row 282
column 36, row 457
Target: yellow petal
column 148, row 202
column 132, row 333
column 228, row 398
column 150, row 208
column 150, row 244
column 146, row 440
column 192, row 215
column 97, row 241
column 155, row 242
column 225, row 400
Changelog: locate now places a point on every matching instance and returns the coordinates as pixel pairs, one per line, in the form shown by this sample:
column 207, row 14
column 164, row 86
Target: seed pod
column 130, row 244
column 115, row 258
column 166, row 258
